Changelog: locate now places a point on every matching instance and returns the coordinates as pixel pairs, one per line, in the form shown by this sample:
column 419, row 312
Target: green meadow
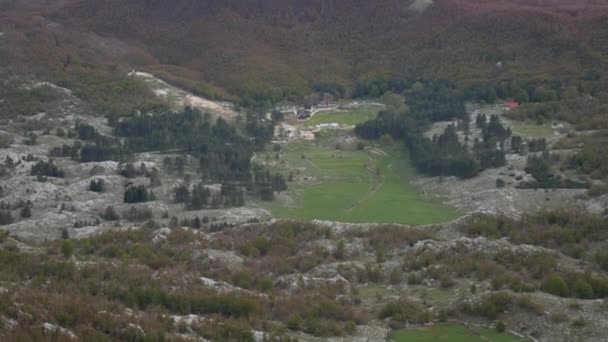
column 452, row 333
column 369, row 185
column 533, row 130
column 348, row 117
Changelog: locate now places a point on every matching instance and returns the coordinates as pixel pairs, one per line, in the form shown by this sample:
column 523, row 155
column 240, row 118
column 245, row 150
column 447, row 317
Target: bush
column 582, row 289
column 528, row 304
column 405, row 310
column 110, row 214
column 501, row 326
column 3, row 235
column 67, row 248
column 46, row 169
column 97, row 185
column 6, row 217
column 555, row 285
column 597, row 190
column 494, row 304
column 136, row 194
column 137, row 215
column 579, row 322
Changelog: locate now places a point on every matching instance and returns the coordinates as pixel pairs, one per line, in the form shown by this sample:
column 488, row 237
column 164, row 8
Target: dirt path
column 181, row 98
column 372, row 192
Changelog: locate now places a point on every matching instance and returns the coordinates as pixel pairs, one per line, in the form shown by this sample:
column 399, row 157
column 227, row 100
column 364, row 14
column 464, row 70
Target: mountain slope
column 282, row 46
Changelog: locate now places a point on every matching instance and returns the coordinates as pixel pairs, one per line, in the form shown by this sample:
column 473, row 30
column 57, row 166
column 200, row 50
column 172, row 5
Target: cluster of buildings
column 313, row 104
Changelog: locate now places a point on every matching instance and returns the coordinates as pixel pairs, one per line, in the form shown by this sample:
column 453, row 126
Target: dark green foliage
column 592, row 159
column 72, row 151
column 3, row 235
column 86, row 132
column 339, row 254
column 110, row 214
column 482, row 93
column 225, row 305
column 537, row 145
column 199, row 199
column 26, row 211
column 501, row 326
column 517, row 144
column 103, row 149
column 443, row 155
column 97, row 185
column 336, row 90
column 224, row 153
column 405, row 310
column 136, row 194
column 494, row 304
column 556, row 285
column 5, row 217
column 47, row 169
column 540, row 168
column 137, row 215
column 67, row 248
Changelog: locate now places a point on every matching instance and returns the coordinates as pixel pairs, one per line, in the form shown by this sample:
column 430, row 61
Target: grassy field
column 452, row 333
column 349, row 117
column 533, row 130
column 355, row 186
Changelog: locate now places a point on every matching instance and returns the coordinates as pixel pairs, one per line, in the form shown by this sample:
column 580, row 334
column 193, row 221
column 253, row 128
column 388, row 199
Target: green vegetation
column 348, row 117
column 445, row 154
column 532, row 129
column 357, row 186
column 452, row 333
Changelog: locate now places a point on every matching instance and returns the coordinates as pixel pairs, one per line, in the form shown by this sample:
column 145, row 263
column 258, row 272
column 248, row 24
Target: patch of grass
column 533, row 130
column 347, row 117
column 356, row 186
column 372, row 291
column 452, row 333
column 434, row 295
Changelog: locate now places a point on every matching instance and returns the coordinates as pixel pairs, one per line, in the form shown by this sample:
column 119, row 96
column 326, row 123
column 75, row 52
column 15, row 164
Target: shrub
column 555, row 285
column 582, row 289
column 97, row 185
column 405, row 310
column 46, row 169
column 5, row 217
column 136, row 194
column 501, row 326
column 339, row 254
column 597, row 190
column 579, row 322
column 3, row 235
column 528, row 304
column 26, row 211
column 110, row 214
column 67, row 248
column 137, row 215
column 494, row 304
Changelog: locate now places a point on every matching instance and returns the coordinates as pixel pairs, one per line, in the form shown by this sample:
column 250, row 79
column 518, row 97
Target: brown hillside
column 289, row 44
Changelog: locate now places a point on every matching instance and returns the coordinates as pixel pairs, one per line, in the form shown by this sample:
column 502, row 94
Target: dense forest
column 445, row 154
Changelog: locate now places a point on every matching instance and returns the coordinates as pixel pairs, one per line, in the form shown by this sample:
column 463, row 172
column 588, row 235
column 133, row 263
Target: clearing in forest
column 347, row 117
column 351, row 185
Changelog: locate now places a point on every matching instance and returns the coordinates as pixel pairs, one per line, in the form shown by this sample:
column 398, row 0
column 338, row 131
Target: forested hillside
column 277, row 48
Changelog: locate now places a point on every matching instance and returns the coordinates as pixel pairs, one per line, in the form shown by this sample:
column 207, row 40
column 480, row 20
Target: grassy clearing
column 348, row 117
column 452, row 333
column 372, row 291
column 533, row 130
column 354, row 186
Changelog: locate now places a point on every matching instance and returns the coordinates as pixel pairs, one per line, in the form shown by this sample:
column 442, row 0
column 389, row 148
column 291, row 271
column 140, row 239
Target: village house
column 304, row 112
